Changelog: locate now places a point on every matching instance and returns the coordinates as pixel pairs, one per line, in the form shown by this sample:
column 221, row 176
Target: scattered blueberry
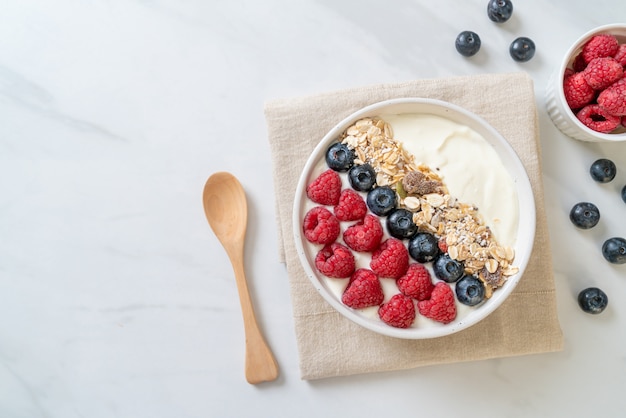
column 381, row 200
column 624, row 194
column 592, row 300
column 522, row 49
column 424, row 247
column 362, row 177
column 400, row 224
column 447, row 269
column 603, row 170
column 467, row 43
column 614, row 250
column 470, row 291
column 499, row 11
column 339, row 157
column 584, row 215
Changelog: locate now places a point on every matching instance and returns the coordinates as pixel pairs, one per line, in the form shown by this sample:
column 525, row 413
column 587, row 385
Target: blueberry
column 522, row 49
column 467, row 43
column 470, row 291
column 584, row 215
column 624, row 194
column 614, row 250
column 423, row 247
column 447, row 269
column 499, row 11
column 592, row 300
column 381, row 200
column 339, row 157
column 603, row 170
column 362, row 177
column 400, row 224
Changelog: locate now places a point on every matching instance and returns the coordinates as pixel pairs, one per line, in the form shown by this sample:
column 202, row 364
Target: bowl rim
column 569, row 55
column 527, row 216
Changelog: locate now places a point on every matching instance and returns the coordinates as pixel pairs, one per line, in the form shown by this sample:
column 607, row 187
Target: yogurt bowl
column 562, row 116
column 476, row 165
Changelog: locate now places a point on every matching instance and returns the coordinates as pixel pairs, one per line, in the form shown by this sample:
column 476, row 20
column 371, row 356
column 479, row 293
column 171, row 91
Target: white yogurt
column 467, row 164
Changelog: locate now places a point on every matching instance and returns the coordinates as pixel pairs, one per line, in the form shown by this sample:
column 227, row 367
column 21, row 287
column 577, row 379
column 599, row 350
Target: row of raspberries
column 389, row 257
column 595, row 85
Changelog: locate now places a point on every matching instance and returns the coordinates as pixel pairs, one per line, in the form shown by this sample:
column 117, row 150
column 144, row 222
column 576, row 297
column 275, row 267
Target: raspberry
column 602, row 72
column 364, row 235
column 416, row 283
column 600, row 46
column 577, row 92
column 579, row 63
column 335, row 260
column 391, row 259
column 596, row 118
column 363, row 290
column 320, row 226
column 325, row 189
column 399, row 312
column 351, row 206
column 620, row 55
column 440, row 307
column 613, row 99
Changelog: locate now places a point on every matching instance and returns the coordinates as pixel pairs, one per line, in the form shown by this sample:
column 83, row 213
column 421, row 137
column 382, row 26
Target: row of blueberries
column 586, row 215
column 468, row 43
column 423, row 247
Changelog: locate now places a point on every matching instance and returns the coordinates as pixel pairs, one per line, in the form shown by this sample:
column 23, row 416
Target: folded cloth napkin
column 331, row 345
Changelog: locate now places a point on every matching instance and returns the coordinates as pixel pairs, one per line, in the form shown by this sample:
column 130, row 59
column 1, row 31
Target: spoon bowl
column 226, row 211
column 226, row 208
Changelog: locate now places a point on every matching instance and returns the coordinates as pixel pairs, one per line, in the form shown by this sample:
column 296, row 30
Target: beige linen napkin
column 329, row 344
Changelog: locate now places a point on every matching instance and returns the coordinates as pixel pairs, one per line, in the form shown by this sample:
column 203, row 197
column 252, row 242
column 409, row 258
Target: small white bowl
column 525, row 226
column 556, row 105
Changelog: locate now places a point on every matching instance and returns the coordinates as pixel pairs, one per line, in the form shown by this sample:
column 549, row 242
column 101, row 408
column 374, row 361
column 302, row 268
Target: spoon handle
column 260, row 363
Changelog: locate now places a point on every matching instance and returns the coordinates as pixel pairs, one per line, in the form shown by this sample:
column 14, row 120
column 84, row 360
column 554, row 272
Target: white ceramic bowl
column 525, row 235
column 556, row 105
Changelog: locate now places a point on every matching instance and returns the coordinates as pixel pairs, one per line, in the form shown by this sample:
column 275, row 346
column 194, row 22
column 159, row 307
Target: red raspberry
column 399, row 312
column 602, row 72
column 391, row 259
column 416, row 283
column 577, row 92
column 325, row 189
column 351, row 206
column 440, row 307
column 320, row 226
column 613, row 99
column 335, row 260
column 579, row 63
column 620, row 55
column 600, row 46
column 596, row 118
column 363, row 290
column 364, row 235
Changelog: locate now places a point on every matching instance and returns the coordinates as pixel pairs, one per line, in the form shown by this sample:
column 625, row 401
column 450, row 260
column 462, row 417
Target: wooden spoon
column 226, row 210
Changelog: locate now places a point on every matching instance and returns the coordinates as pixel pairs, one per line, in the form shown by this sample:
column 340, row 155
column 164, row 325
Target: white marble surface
column 117, row 301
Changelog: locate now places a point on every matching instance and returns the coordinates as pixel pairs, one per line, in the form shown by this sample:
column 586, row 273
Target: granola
column 459, row 226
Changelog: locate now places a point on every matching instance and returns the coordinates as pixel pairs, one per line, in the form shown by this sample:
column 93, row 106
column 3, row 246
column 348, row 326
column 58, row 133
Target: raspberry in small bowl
column 586, row 95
